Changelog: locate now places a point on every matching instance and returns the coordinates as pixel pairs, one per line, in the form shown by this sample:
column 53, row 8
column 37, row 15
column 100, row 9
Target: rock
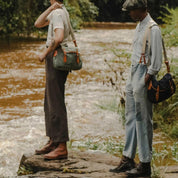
column 169, row 171
column 79, row 164
column 172, row 169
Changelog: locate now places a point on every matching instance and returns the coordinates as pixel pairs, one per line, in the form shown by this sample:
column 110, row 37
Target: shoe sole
column 139, row 176
column 57, row 158
column 42, row 153
column 37, row 153
column 120, row 171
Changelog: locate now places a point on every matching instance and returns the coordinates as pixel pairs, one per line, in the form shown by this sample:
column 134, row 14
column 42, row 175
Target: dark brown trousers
column 54, row 105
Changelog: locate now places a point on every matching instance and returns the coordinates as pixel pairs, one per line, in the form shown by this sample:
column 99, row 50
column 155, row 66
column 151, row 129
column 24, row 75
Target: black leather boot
column 125, row 164
column 142, row 170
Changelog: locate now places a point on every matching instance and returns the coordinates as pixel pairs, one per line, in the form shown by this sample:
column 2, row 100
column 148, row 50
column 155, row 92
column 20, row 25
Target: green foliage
column 170, row 27
column 18, row 16
column 8, row 16
column 111, row 10
column 81, row 11
column 88, row 9
column 75, row 13
column 25, row 170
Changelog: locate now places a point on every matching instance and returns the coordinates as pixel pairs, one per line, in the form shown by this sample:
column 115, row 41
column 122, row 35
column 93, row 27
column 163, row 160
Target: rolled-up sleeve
column 155, row 51
column 57, row 20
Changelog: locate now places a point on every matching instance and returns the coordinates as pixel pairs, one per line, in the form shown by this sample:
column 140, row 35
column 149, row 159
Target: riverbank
column 93, row 164
column 92, row 97
column 108, row 25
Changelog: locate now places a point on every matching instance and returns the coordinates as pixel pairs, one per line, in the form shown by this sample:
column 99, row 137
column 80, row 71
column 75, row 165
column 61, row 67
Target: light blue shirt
column 153, row 54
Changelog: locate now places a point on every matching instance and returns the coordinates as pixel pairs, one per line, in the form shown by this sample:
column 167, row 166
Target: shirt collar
column 145, row 20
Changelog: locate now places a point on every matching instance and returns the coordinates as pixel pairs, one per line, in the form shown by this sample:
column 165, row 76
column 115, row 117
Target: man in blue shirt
column 139, row 131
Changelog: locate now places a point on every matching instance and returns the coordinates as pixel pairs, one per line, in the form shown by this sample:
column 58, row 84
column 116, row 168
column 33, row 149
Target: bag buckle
column 55, row 53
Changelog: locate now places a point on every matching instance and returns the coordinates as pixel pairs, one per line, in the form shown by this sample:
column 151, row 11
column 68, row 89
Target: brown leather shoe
column 59, row 153
column 47, row 148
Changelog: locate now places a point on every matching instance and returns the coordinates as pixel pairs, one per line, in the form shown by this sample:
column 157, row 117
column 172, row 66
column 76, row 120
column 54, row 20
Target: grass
column 170, row 27
column 110, row 105
column 123, row 57
column 25, row 170
column 174, row 150
column 162, row 155
column 115, row 104
column 109, row 145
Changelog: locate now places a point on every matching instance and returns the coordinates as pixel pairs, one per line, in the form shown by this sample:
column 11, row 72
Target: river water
column 22, row 81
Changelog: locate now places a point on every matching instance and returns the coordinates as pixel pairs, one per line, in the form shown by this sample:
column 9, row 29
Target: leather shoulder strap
column 70, row 26
column 148, row 36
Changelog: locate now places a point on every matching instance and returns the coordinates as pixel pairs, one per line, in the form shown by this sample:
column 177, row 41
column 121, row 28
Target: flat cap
column 134, row 4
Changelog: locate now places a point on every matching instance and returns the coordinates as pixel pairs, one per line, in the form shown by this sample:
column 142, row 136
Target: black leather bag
column 163, row 89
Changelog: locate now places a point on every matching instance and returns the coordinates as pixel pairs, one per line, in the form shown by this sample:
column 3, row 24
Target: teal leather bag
column 67, row 58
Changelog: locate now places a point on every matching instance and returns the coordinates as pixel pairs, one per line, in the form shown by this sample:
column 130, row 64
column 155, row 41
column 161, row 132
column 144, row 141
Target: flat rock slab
column 169, row 171
column 79, row 164
column 93, row 164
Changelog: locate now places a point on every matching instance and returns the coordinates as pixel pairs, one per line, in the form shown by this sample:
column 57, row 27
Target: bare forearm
column 42, row 19
column 59, row 35
column 43, row 55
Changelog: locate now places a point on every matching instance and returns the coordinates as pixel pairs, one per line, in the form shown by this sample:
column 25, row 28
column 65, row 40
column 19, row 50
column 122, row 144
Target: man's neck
column 143, row 16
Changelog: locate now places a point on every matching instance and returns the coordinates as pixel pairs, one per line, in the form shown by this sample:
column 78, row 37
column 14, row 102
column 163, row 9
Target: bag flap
column 70, row 49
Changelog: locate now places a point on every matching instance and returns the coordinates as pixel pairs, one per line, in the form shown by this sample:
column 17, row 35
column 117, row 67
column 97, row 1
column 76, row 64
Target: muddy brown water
column 22, row 81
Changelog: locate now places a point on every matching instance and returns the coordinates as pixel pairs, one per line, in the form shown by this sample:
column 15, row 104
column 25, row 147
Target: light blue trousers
column 138, row 114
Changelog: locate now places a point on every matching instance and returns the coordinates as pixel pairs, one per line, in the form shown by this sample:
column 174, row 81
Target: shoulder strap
column 70, row 27
column 166, row 61
column 148, row 36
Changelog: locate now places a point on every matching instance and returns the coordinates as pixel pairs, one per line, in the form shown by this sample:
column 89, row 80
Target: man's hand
column 56, row 5
column 59, row 36
column 148, row 77
column 42, row 57
column 42, row 19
